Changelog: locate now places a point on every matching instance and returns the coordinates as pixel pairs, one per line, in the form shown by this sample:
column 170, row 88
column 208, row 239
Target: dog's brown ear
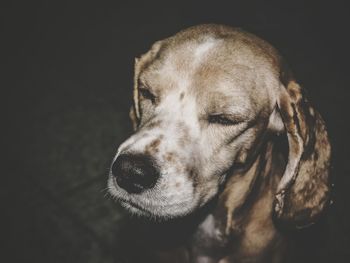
column 133, row 118
column 140, row 64
column 304, row 190
column 135, row 113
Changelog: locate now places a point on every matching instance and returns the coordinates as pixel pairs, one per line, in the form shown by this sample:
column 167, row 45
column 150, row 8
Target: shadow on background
column 67, row 88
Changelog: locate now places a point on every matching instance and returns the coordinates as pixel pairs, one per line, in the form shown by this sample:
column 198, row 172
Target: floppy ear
column 140, row 64
column 134, row 112
column 133, row 118
column 304, row 190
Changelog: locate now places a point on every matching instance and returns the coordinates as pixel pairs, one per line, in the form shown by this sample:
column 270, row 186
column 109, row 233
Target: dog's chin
column 158, row 214
column 136, row 209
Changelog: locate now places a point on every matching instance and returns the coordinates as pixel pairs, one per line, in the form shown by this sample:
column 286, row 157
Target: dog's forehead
column 204, row 61
column 205, row 71
column 176, row 65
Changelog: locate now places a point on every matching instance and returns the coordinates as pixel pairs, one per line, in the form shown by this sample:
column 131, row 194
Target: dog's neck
column 242, row 219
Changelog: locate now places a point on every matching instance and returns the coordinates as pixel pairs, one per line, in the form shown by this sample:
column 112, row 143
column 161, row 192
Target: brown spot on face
column 153, row 124
column 155, row 143
column 182, row 95
column 169, row 157
column 153, row 146
column 192, row 174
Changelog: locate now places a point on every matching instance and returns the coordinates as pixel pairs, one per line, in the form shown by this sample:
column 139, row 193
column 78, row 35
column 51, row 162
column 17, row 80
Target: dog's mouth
column 134, row 207
column 156, row 204
column 131, row 205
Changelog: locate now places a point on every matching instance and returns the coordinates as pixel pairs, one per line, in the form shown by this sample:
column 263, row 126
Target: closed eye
column 146, row 94
column 223, row 119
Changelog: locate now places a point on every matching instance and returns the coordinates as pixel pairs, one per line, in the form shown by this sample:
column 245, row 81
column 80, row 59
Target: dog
column 218, row 113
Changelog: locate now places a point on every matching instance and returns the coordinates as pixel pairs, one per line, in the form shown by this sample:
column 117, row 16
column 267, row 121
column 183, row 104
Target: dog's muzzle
column 135, row 173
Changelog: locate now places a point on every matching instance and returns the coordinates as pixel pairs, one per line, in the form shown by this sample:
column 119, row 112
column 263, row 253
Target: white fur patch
column 202, row 49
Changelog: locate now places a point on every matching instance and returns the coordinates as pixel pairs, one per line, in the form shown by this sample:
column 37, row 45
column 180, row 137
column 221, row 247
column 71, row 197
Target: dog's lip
column 128, row 202
column 134, row 205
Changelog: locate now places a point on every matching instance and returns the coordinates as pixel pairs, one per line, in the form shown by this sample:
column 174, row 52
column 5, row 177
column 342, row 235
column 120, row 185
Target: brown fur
column 270, row 186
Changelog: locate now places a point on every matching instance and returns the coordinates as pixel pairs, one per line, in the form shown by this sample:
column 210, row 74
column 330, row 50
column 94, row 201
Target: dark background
column 66, row 89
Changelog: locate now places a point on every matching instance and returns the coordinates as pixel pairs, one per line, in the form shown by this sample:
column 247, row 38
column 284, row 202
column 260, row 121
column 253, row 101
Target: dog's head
column 203, row 101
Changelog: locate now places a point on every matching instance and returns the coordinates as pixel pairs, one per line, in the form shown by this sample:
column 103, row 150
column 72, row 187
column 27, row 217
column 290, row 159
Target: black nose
column 135, row 173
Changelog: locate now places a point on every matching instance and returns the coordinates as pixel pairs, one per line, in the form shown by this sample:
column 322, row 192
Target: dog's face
column 203, row 104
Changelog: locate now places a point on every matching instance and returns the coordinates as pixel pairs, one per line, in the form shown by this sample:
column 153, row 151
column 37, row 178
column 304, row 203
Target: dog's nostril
column 135, row 173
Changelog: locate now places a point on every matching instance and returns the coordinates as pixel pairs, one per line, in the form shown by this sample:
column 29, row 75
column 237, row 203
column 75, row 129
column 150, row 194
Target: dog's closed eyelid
column 225, row 119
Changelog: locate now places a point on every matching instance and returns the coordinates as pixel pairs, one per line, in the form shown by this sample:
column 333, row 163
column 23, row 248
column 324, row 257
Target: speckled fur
column 214, row 69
